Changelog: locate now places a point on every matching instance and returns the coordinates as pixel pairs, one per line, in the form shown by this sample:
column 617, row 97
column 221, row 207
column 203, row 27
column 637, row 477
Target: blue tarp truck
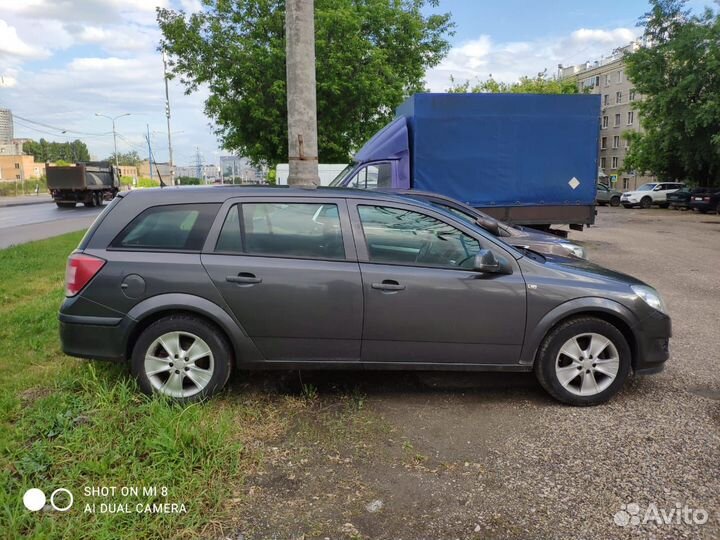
column 523, row 158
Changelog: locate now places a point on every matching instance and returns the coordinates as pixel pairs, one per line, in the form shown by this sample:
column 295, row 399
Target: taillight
column 80, row 270
column 706, row 198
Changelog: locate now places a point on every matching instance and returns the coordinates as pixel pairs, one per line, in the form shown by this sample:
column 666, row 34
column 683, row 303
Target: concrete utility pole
column 167, row 114
column 301, row 98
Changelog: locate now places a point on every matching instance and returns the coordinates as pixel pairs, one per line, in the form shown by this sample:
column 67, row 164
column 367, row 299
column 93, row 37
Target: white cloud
column 480, row 58
column 12, row 45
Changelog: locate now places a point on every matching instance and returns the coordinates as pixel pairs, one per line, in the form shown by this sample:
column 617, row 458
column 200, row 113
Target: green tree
column 43, row 150
column 678, row 75
column 371, row 54
column 131, row 158
column 541, row 84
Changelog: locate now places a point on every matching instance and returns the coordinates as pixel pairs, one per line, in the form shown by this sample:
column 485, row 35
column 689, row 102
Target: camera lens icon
column 61, row 500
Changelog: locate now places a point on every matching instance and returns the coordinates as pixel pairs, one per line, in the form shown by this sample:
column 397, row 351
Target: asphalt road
column 20, row 224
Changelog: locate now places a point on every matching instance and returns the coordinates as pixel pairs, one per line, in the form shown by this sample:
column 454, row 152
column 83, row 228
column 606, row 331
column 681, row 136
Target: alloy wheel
column 179, row 364
column 587, row 364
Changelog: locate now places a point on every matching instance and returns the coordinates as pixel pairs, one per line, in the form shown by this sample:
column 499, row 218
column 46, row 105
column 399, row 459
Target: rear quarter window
column 176, row 227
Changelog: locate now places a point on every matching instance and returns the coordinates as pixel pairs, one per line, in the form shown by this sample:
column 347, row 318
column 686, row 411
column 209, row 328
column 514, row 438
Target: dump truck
column 525, row 159
column 90, row 183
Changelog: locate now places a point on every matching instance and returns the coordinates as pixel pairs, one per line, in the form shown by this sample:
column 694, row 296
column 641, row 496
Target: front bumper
column 652, row 337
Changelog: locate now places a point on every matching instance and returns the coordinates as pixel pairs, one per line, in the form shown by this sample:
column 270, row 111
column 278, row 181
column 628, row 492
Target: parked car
column 515, row 235
column 648, row 194
column 707, row 201
column 186, row 284
column 606, row 196
column 680, row 198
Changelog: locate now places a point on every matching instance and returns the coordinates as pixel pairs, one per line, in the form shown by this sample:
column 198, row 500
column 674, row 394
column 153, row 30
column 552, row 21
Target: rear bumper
column 652, row 344
column 98, row 338
column 702, row 206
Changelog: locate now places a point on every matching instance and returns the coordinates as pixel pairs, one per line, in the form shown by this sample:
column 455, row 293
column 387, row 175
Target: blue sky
column 60, row 62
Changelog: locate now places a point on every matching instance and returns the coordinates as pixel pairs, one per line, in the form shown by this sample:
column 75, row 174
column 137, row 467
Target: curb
column 24, row 203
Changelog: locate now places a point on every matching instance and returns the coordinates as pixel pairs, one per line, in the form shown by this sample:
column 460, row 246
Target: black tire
column 645, row 203
column 65, row 204
column 717, row 209
column 208, row 332
column 90, row 203
column 99, row 200
column 663, row 205
column 615, row 201
column 550, row 349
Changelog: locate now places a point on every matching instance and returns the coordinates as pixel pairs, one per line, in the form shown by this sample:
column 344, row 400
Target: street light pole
column 113, row 118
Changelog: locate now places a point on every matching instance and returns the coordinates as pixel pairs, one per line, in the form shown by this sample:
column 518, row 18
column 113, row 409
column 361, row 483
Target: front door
column 285, row 270
column 423, row 300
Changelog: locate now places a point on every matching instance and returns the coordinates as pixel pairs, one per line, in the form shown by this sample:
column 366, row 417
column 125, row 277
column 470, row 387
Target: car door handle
column 388, row 285
column 244, row 278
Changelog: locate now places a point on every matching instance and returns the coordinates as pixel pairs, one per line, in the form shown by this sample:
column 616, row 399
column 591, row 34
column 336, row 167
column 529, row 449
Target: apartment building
column 618, row 113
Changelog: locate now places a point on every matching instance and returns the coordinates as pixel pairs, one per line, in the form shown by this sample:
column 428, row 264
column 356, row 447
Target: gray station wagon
column 186, row 284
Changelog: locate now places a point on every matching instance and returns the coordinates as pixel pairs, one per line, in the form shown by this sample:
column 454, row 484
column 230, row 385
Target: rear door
column 288, row 270
column 423, row 301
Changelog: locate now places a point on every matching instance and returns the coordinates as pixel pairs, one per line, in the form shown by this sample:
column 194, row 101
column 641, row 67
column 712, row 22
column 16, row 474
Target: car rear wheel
column 615, row 201
column 182, row 357
column 645, row 203
column 583, row 361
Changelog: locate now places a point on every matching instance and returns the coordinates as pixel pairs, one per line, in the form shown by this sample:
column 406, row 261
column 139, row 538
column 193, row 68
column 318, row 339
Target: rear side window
column 180, row 227
column 304, row 230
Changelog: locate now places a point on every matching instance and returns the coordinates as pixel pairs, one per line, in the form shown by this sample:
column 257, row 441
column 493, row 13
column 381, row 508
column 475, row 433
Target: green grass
column 75, row 424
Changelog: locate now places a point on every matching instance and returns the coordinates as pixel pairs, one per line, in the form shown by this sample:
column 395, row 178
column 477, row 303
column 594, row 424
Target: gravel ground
column 450, row 455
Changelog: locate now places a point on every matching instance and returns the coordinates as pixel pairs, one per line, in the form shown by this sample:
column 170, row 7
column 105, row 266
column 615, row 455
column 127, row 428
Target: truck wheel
column 583, row 361
column 100, row 200
column 91, row 201
column 645, row 203
column 65, row 204
column 615, row 201
column 182, row 357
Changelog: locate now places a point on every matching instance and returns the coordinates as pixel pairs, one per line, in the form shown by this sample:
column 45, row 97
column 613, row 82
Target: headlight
column 650, row 296
column 576, row 250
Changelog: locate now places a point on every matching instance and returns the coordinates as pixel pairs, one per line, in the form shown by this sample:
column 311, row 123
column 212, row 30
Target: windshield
column 339, row 179
column 647, row 187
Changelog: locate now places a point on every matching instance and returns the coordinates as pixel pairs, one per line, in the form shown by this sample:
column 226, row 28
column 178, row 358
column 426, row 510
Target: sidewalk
column 22, row 200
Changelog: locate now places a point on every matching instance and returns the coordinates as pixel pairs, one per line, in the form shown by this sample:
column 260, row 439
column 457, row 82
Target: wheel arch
column 155, row 308
column 602, row 308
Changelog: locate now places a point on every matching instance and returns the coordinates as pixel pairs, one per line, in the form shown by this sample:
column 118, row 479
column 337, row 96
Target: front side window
column 304, row 230
column 396, row 236
column 647, row 187
column 376, row 175
column 181, row 227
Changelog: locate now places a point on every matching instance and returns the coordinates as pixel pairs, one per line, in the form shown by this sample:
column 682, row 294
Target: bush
column 8, row 187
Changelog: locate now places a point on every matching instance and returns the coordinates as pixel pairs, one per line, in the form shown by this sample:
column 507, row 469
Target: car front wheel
column 645, row 202
column 583, row 361
column 182, row 357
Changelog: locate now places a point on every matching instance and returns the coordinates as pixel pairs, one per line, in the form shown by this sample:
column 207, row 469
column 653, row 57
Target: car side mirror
column 485, row 261
column 489, row 225
column 657, row 188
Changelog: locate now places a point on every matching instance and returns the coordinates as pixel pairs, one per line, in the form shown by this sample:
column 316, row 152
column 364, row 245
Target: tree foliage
column 541, row 84
column 43, row 151
column 678, row 75
column 131, row 158
column 371, row 54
